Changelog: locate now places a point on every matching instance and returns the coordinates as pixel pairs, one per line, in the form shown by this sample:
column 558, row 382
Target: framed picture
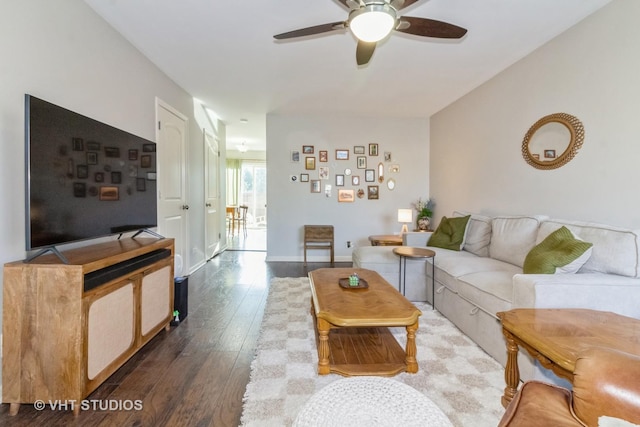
column 295, row 156
column 145, row 161
column 323, row 172
column 109, row 194
column 149, row 148
column 355, row 180
column 370, row 175
column 323, row 156
column 394, row 168
column 82, row 171
column 79, row 189
column 111, row 152
column 98, row 177
column 141, row 184
column 310, row 163
column 342, row 154
column 373, row 149
column 358, row 149
column 116, row 177
column 92, row 158
column 77, row 144
column 346, row 195
column 304, row 177
column 362, row 162
column 549, row 154
column 372, row 192
column 133, row 154
column 93, row 146
column 315, row 185
column 387, row 156
column 307, row 149
column 339, row 180
column 151, row 176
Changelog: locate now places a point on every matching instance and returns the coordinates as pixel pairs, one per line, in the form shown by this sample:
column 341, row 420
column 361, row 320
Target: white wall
column 292, row 205
column 591, row 71
column 61, row 51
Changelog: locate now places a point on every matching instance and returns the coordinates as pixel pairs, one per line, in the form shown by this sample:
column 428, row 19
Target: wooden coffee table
column 360, row 342
column 556, row 337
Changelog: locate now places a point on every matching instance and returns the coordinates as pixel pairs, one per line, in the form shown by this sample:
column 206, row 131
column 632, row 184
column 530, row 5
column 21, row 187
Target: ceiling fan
column 372, row 20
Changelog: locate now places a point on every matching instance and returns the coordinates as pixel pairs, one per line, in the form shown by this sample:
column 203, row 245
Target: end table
column 405, row 252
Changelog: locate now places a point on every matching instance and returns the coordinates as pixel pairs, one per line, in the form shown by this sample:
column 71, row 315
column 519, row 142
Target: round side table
column 405, row 252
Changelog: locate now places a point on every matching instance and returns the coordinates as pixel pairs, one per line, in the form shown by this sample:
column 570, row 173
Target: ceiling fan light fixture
column 372, row 22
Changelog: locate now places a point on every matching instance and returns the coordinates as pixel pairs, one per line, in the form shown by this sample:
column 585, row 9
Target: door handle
column 208, row 205
column 185, row 207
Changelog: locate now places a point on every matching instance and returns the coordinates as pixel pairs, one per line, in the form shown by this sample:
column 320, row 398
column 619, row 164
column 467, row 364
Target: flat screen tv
column 84, row 179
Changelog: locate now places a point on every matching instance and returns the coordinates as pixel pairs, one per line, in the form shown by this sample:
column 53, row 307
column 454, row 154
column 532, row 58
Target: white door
column 173, row 206
column 211, row 195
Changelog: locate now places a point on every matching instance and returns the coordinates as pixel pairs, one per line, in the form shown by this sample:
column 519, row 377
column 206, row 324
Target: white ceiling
column 223, row 53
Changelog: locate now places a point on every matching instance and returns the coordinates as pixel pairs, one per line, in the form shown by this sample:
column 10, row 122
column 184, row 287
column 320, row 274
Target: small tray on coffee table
column 344, row 282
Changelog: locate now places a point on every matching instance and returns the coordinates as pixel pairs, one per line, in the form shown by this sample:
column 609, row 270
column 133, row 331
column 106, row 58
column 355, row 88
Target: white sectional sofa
column 486, row 276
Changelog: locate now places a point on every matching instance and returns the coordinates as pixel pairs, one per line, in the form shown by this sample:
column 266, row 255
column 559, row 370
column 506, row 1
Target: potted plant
column 425, row 212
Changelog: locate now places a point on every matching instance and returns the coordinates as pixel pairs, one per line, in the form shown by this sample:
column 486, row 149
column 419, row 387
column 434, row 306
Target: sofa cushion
column 478, row 234
column 559, row 252
column 491, row 291
column 450, row 233
column 615, row 250
column 512, row 237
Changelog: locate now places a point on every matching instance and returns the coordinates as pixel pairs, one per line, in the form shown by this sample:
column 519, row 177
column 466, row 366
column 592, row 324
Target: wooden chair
column 318, row 237
column 241, row 218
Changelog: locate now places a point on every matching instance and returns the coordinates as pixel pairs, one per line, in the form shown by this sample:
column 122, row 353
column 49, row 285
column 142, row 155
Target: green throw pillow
column 557, row 250
column 450, row 233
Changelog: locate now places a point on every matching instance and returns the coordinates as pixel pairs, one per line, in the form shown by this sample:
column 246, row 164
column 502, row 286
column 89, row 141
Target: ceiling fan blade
column 350, row 4
column 309, row 31
column 401, row 4
column 364, row 51
column 430, row 28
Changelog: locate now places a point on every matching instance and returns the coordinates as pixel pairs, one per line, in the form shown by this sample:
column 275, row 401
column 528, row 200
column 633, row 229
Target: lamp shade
column 405, row 215
column 373, row 22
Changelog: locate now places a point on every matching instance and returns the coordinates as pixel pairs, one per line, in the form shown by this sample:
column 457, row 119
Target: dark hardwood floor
column 195, row 374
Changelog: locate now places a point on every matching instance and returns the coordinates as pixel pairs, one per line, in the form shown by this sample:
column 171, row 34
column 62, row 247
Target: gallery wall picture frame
column 109, row 193
column 79, row 189
column 394, row 168
column 310, row 163
column 387, row 156
column 308, row 149
column 93, row 146
column 373, row 149
column 370, row 175
column 342, row 154
column 98, row 177
column 141, row 184
column 145, row 161
column 549, row 154
column 92, row 158
column 323, row 156
column 323, row 172
column 304, row 177
column 149, row 148
column 82, row 171
column 346, row 196
column 339, row 180
column 358, row 149
column 116, row 177
column 77, row 144
column 361, row 162
column 315, row 185
column 133, row 154
column 372, row 192
column 294, row 156
column 112, row 152
column 355, row 180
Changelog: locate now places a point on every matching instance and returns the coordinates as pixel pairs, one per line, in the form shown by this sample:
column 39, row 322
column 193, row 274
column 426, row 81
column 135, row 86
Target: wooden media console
column 68, row 327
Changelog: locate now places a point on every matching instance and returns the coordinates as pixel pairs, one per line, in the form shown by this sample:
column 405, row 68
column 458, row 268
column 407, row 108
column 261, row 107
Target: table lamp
column 405, row 216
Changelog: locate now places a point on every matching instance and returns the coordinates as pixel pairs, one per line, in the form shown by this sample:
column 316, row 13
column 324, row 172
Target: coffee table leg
column 323, row 347
column 411, row 350
column 511, row 370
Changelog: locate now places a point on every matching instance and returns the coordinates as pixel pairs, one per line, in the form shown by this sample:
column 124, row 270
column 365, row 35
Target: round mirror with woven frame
column 545, row 145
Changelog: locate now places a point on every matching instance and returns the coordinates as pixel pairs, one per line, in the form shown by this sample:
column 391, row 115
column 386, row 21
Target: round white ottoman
column 370, row 401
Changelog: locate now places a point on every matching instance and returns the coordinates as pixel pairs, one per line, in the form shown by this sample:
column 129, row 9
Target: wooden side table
column 556, row 337
column 386, row 240
column 405, row 252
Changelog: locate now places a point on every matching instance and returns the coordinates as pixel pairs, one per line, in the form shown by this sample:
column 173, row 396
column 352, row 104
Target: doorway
column 247, row 185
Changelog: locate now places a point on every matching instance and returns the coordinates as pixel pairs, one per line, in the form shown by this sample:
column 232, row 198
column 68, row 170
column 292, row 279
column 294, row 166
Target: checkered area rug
column 454, row 372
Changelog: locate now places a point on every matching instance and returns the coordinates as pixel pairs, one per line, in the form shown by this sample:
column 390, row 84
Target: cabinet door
column 110, row 328
column 156, row 300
